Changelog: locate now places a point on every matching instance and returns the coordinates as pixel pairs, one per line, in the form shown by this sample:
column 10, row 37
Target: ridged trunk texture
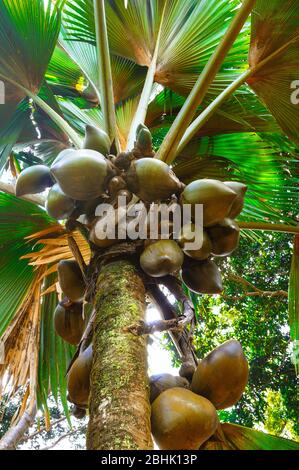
column 119, row 402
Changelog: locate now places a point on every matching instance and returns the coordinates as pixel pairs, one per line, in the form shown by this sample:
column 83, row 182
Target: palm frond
column 18, row 220
column 272, row 192
column 11, row 131
column 189, row 35
column 242, row 113
column 235, row 437
column 63, row 73
column 28, row 35
column 275, row 28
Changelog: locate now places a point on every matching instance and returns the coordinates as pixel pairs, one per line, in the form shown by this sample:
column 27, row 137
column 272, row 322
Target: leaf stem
column 141, row 111
column 201, row 120
column 268, row 227
column 105, row 73
column 168, row 149
column 59, row 121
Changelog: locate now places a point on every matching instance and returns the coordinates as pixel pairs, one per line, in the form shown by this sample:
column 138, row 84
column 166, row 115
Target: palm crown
column 214, row 86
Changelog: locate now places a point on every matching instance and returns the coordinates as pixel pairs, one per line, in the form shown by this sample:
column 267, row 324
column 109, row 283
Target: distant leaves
column 294, row 299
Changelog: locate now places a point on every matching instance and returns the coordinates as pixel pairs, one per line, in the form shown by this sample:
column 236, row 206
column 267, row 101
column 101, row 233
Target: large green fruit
column 71, row 280
column 238, row 204
column 96, row 139
column 58, row 205
column 104, row 242
column 78, row 381
column 225, row 237
column 34, row 180
column 161, row 258
column 99, row 233
column 84, row 175
column 215, row 196
column 187, row 236
column 222, row 375
column 78, row 413
column 69, row 323
column 182, row 420
column 202, row 277
column 160, row 383
column 152, row 180
column 66, row 153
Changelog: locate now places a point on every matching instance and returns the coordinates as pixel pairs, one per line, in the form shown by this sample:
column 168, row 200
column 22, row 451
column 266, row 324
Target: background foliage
column 260, row 323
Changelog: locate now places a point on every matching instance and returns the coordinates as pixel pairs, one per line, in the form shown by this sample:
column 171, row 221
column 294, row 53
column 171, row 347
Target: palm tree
column 182, row 69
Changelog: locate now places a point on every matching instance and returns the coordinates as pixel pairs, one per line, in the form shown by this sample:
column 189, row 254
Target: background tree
column 254, row 310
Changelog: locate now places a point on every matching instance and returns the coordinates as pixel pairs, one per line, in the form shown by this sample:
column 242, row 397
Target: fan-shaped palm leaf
column 190, row 33
column 275, row 28
column 18, row 219
column 272, row 192
column 235, row 437
column 28, row 35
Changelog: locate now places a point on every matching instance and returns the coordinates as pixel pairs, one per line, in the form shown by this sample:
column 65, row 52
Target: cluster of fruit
column 185, row 417
column 81, row 180
column 70, row 324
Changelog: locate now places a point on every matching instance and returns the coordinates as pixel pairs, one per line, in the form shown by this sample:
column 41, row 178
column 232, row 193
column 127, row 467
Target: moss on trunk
column 119, row 402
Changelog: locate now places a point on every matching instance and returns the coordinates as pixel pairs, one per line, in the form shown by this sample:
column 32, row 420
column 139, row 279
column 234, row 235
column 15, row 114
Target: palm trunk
column 119, row 403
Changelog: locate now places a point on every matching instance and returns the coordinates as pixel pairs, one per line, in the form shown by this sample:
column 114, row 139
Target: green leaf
column 28, row 34
column 63, row 73
column 242, row 113
column 11, row 132
column 54, row 355
column 18, row 219
column 242, row 438
column 272, row 192
column 275, row 28
column 192, row 31
column 294, row 296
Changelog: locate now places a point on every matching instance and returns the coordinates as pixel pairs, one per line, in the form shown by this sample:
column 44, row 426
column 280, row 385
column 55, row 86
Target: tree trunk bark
column 119, row 402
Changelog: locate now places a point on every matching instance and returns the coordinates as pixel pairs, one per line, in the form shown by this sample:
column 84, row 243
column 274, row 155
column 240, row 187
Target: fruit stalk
column 141, row 111
column 119, row 401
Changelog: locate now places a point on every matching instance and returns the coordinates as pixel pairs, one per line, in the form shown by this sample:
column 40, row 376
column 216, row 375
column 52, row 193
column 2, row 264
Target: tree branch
column 182, row 340
column 64, row 436
column 254, row 292
column 141, row 111
column 104, row 68
column 40, row 431
column 142, row 328
column 278, row 293
column 13, row 436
